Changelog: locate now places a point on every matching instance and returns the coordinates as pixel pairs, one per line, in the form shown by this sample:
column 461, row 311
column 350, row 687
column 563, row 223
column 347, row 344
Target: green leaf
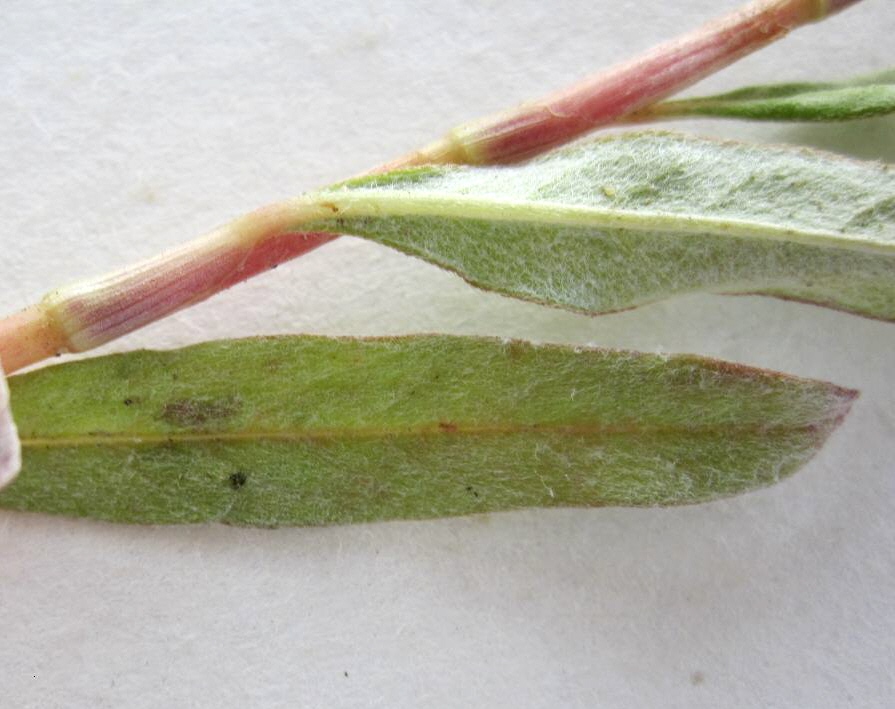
column 832, row 101
column 310, row 430
column 634, row 218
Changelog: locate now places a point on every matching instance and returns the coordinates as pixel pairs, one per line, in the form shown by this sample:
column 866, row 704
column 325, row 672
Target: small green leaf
column 631, row 219
column 309, row 430
column 833, row 101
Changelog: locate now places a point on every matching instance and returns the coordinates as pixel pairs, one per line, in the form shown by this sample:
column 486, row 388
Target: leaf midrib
column 445, row 429
column 364, row 203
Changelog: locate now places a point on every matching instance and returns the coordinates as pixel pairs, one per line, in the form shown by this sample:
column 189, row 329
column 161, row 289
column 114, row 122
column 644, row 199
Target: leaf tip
column 843, row 398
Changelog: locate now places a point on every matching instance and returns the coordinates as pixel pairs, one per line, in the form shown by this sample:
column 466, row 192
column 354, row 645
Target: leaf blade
column 319, row 431
column 635, row 218
column 861, row 97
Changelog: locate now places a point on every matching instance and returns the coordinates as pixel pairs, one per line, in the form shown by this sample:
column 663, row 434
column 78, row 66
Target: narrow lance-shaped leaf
column 631, row 219
column 307, row 430
column 862, row 97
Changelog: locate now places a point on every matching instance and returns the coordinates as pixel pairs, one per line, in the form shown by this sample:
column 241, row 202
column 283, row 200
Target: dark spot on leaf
column 273, row 365
column 237, row 479
column 128, row 402
column 198, row 411
column 517, row 350
column 447, row 426
column 470, row 489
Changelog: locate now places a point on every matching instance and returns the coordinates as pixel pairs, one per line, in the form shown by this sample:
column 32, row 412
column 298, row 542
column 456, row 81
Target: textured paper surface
column 128, row 129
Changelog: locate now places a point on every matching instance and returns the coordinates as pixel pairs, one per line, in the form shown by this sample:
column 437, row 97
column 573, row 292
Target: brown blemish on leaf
column 447, row 427
column 516, row 349
column 188, row 413
column 274, row 365
column 237, row 479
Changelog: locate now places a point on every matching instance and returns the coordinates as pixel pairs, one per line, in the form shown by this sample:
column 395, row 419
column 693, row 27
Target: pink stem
column 86, row 315
column 605, row 97
column 123, row 302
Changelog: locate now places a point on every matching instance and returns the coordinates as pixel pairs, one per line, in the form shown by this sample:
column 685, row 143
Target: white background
column 128, row 128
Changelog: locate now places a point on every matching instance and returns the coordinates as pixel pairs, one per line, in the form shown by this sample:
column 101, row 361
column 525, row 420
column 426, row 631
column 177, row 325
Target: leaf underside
column 635, row 218
column 311, row 431
column 831, row 101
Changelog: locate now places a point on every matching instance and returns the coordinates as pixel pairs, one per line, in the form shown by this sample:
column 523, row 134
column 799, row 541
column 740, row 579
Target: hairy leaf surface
column 832, row 101
column 309, row 430
column 634, row 218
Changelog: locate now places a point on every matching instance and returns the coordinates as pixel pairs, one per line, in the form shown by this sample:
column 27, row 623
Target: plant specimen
column 309, row 430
